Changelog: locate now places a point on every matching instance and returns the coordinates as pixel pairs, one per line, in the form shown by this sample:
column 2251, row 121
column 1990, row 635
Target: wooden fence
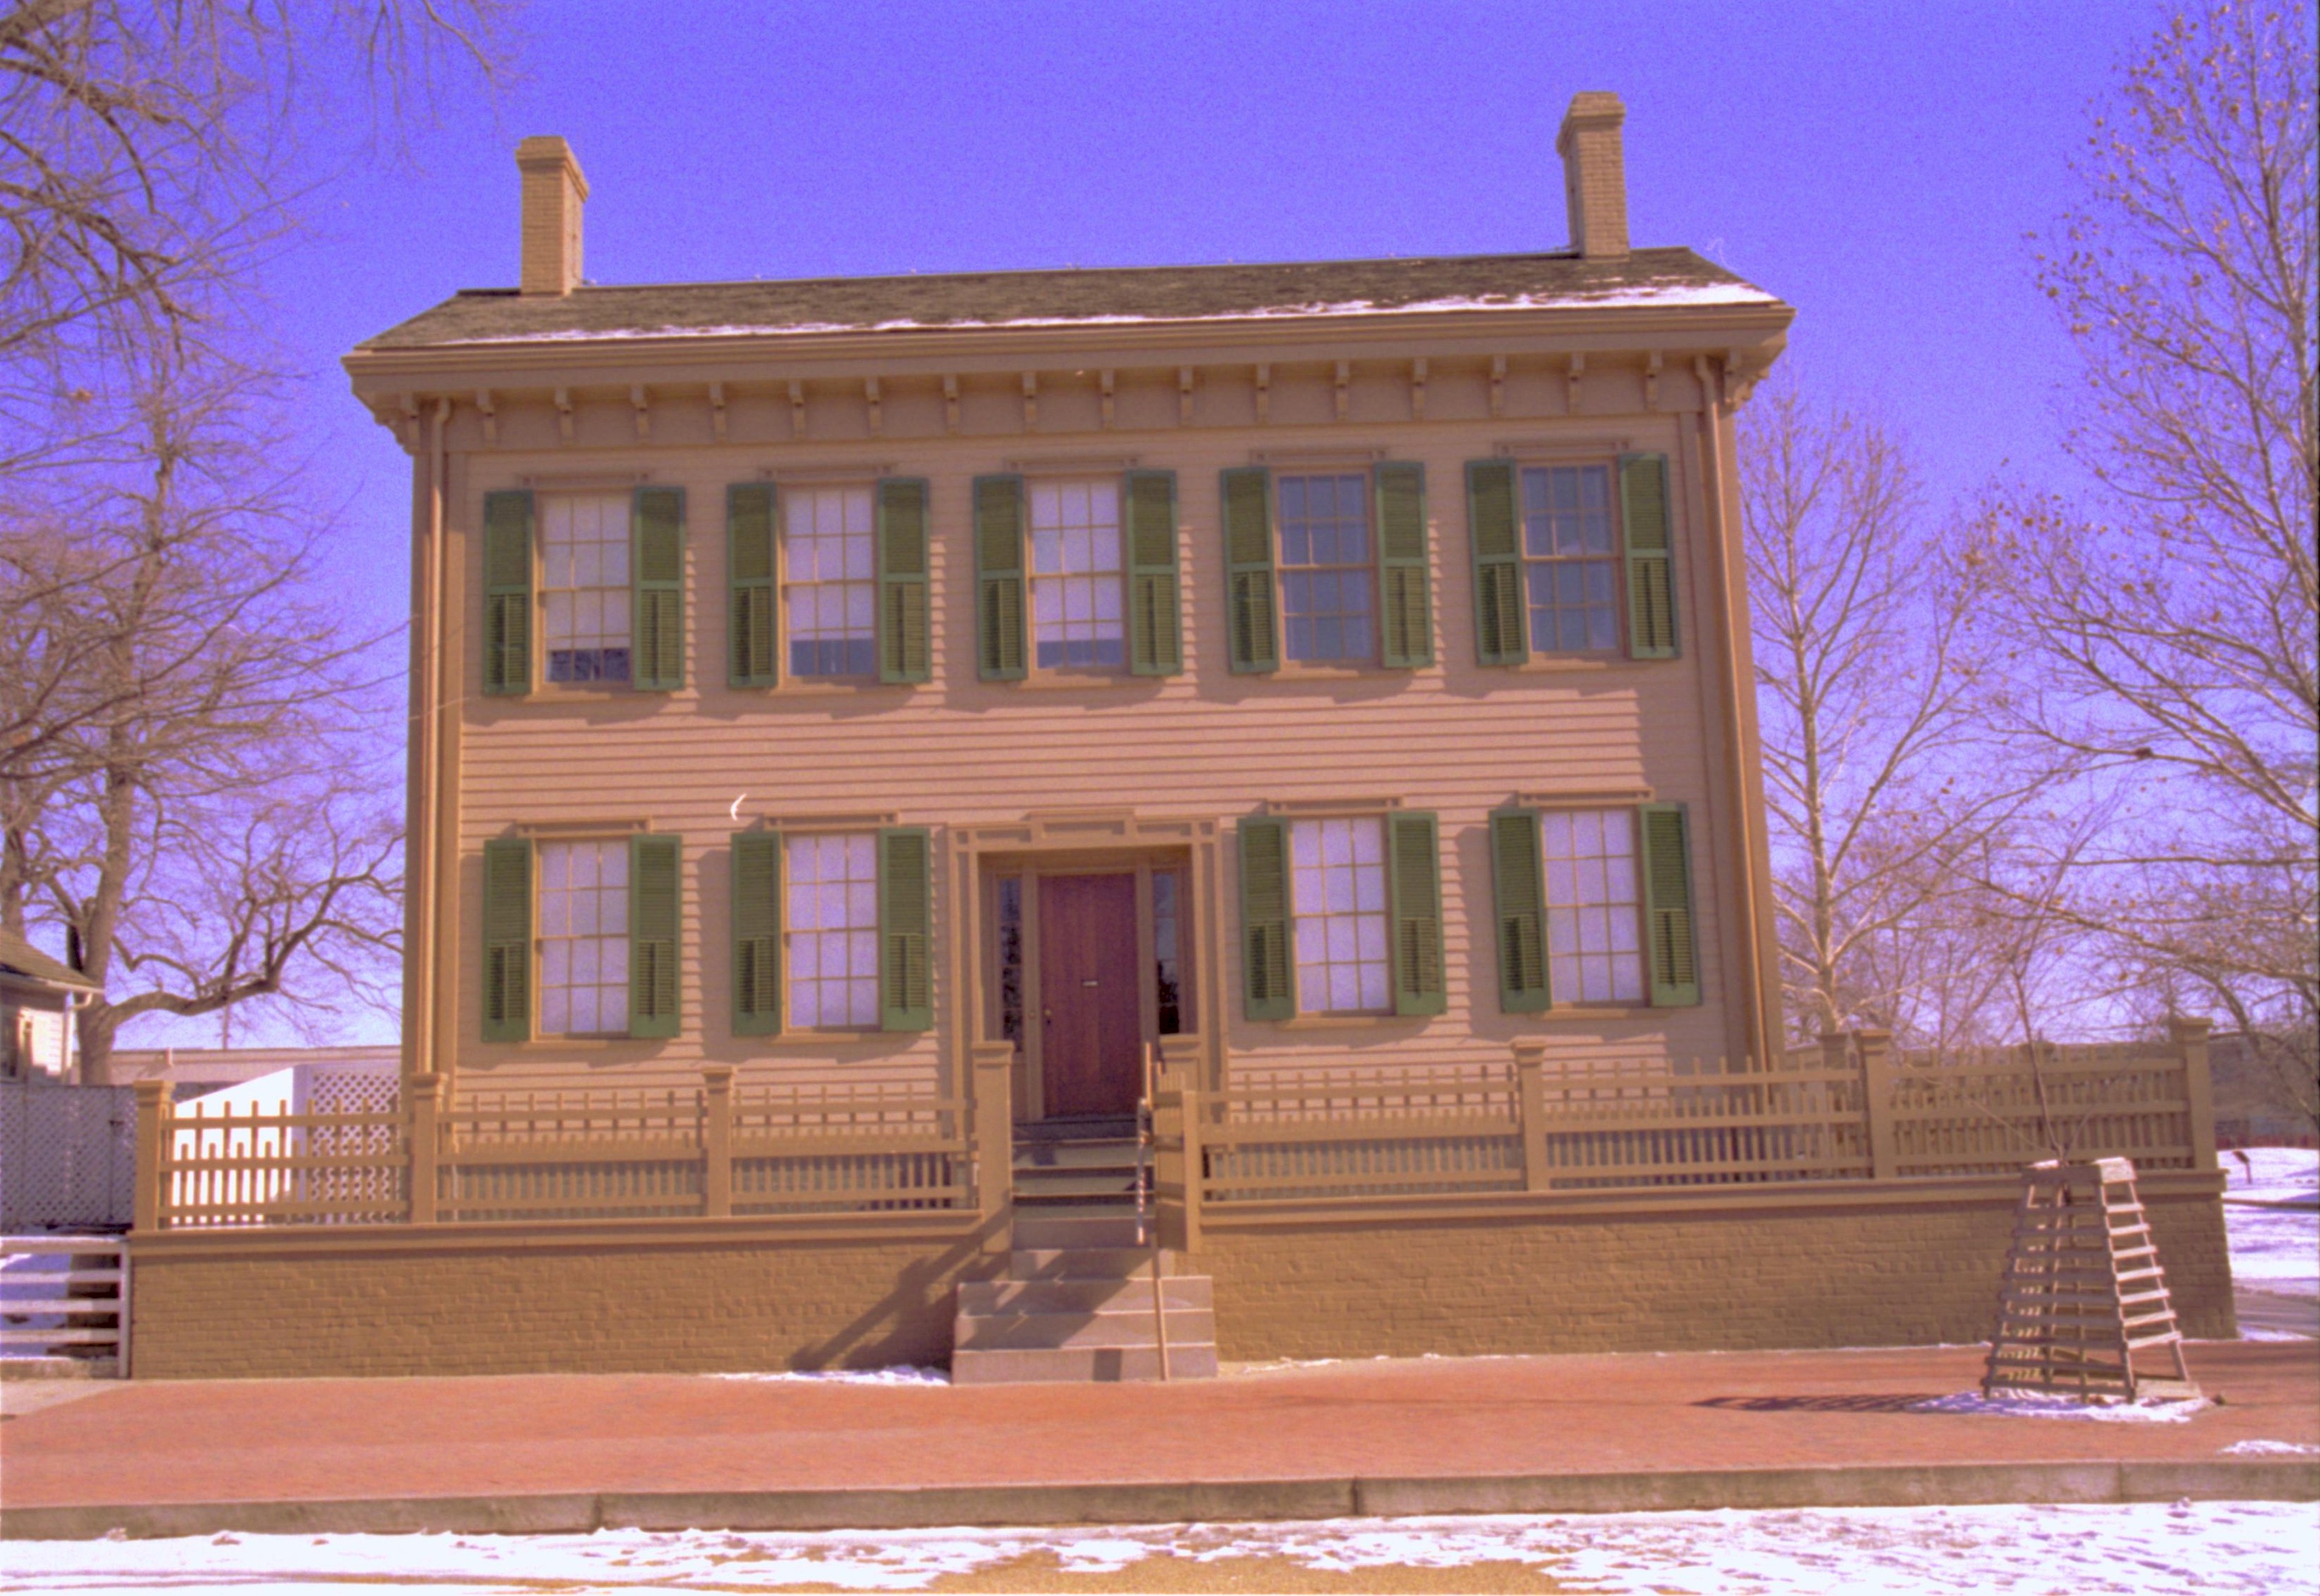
column 705, row 1151
column 1849, row 1109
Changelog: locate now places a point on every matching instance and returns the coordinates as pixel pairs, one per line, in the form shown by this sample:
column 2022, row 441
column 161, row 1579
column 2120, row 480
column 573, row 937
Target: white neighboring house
column 38, row 996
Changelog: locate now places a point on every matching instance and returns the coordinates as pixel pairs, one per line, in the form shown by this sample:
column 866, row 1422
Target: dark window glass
column 1168, row 939
column 1011, row 959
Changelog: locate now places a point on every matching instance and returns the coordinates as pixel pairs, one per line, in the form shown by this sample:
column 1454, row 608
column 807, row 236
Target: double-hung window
column 1338, row 899
column 581, row 936
column 830, row 581
column 1594, row 906
column 1341, row 914
column 584, row 938
column 1328, row 568
column 833, row 930
column 1076, row 575
column 1571, row 566
column 584, row 582
column 1571, row 559
column 1327, row 584
column 1078, row 598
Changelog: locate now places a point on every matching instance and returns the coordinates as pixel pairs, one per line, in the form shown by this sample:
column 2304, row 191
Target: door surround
column 1077, row 842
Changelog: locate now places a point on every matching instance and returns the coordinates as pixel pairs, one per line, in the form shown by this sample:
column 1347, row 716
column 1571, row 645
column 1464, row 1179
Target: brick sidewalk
column 529, row 1435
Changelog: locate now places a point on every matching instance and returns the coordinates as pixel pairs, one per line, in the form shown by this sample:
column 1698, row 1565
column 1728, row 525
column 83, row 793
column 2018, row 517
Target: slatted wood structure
column 76, row 1287
column 2084, row 1291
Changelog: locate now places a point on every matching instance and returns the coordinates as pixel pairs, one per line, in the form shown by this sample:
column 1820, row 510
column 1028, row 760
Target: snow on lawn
column 2206, row 1547
column 2271, row 1212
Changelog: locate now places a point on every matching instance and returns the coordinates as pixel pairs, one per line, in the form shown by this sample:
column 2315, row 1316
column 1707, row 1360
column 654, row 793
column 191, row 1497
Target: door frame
column 1090, row 843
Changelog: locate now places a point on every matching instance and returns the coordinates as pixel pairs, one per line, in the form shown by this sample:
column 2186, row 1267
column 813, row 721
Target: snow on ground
column 2271, row 1212
column 2206, row 1547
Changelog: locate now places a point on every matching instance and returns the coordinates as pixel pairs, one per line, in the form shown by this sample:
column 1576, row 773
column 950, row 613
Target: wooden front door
column 1088, row 995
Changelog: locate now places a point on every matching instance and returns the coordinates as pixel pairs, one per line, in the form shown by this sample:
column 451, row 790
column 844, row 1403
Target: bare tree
column 210, row 822
column 1883, row 778
column 141, row 150
column 2169, row 615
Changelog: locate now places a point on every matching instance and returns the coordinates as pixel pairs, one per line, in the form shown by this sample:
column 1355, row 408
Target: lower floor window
column 833, row 930
column 1593, row 905
column 1337, row 898
column 584, row 938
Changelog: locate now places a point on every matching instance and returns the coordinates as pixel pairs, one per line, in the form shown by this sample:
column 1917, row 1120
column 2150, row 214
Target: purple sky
column 1876, row 165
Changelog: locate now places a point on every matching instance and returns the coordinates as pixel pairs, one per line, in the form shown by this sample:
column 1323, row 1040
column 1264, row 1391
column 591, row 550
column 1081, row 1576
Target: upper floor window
column 1077, row 617
column 1594, row 905
column 584, row 938
column 1327, row 574
column 833, row 930
column 830, row 587
column 584, row 585
column 1571, row 564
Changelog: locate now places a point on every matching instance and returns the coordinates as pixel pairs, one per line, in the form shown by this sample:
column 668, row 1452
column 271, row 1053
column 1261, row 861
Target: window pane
column 829, row 596
column 1337, row 896
column 583, row 916
column 1076, row 576
column 1571, row 564
column 832, row 930
column 1594, row 914
column 1325, row 572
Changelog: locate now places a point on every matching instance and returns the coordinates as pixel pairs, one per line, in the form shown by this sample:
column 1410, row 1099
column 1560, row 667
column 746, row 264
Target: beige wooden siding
column 1457, row 739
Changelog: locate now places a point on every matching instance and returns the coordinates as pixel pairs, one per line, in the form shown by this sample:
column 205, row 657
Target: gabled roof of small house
column 26, row 963
column 1126, row 295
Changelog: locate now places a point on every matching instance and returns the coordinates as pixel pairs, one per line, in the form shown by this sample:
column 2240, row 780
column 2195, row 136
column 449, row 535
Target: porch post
column 2191, row 1039
column 154, row 1111
column 1530, row 1111
column 992, row 1143
column 717, row 1141
column 426, row 1107
column 1877, row 1101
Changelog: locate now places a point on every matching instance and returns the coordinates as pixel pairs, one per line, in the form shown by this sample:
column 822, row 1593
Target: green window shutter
column 750, row 660
column 1669, row 939
column 507, row 592
column 656, row 648
column 1155, row 646
column 756, row 933
column 655, row 887
column 1247, row 491
column 1414, row 858
column 906, row 915
column 507, row 939
column 1405, row 602
column 1268, row 978
column 903, row 651
column 1500, row 613
column 1651, row 564
column 999, row 588
column 1521, row 904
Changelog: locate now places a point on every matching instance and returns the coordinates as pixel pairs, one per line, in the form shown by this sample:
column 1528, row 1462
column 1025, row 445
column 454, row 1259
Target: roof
column 20, row 958
column 1097, row 297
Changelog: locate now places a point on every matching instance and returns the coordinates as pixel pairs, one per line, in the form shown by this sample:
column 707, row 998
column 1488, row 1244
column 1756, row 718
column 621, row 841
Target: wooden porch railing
column 1851, row 1108
column 708, row 1150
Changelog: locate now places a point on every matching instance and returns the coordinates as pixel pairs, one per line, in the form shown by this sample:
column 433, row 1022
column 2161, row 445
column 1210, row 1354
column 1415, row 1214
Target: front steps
column 1077, row 1305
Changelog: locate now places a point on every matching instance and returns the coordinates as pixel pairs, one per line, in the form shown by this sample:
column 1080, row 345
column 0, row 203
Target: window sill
column 1067, row 682
column 1335, row 672
column 1350, row 1021
column 818, row 1038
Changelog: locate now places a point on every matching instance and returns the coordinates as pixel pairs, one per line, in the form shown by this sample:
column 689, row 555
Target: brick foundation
column 1731, row 1271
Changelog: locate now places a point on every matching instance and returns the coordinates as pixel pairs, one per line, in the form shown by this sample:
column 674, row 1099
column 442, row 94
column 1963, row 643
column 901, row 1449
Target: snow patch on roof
column 1643, row 295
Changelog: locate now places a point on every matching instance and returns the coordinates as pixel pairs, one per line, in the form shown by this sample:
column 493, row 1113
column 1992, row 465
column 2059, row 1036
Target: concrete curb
column 933, row 1506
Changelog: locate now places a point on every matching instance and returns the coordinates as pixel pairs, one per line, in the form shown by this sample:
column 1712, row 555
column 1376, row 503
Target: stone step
column 1109, row 1154
column 1035, row 1185
column 1080, row 1364
column 1088, row 1263
column 978, row 1332
column 1081, row 1294
column 1042, row 1232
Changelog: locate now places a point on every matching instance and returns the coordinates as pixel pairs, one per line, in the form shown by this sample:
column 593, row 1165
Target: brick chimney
column 553, row 193
column 1595, row 176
